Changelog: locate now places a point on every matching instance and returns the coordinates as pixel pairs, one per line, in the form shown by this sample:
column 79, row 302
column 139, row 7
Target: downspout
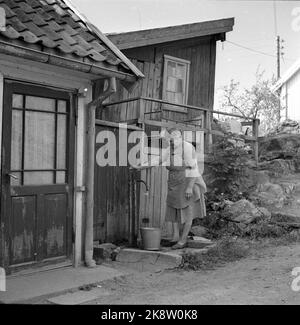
column 91, row 133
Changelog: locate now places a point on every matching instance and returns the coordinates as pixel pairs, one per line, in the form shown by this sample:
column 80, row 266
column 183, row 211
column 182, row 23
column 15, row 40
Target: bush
column 228, row 164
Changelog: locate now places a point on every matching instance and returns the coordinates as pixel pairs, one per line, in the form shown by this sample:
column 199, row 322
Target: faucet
column 146, row 186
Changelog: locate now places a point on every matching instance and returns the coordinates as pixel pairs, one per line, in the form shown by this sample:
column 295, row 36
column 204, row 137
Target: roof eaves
column 287, row 76
column 93, row 29
column 12, row 49
column 171, row 33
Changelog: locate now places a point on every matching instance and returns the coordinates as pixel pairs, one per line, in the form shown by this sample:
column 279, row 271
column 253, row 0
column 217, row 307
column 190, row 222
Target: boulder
column 244, row 211
column 280, row 146
column 265, row 213
column 273, row 189
column 287, row 126
column 279, row 167
column 199, row 231
column 269, row 195
column 104, row 251
column 251, row 178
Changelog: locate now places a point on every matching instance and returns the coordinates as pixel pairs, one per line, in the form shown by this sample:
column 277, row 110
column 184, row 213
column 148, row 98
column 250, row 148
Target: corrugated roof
column 56, row 27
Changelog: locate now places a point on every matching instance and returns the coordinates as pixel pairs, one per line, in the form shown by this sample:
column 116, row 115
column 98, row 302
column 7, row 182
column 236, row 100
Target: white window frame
column 168, row 58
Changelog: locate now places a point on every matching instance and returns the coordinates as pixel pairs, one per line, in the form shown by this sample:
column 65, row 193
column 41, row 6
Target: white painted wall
column 46, row 75
column 291, row 97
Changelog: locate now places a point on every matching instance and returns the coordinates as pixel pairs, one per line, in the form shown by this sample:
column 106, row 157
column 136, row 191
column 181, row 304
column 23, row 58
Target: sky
column 257, row 23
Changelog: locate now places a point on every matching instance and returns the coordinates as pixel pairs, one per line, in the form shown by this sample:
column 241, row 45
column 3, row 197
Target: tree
column 259, row 101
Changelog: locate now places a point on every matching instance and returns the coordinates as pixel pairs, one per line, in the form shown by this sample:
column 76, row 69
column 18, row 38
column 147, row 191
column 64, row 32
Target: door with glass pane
column 37, row 174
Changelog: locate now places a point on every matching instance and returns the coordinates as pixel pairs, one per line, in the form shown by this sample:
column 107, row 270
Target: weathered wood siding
column 202, row 55
column 111, row 204
column 201, row 52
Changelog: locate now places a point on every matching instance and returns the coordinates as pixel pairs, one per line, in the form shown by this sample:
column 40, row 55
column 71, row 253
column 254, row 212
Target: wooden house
column 50, row 57
column 288, row 86
column 179, row 65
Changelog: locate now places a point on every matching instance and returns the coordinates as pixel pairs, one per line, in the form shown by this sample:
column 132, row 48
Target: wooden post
column 2, row 243
column 208, row 136
column 89, row 240
column 91, row 135
column 100, row 112
column 130, row 210
column 255, row 132
column 132, row 217
column 141, row 109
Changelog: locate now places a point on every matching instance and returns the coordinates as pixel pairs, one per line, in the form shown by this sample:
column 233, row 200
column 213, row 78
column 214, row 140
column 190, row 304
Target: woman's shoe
column 179, row 246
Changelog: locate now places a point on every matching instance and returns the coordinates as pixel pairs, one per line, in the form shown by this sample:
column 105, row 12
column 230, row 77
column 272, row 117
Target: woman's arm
column 190, row 186
column 154, row 161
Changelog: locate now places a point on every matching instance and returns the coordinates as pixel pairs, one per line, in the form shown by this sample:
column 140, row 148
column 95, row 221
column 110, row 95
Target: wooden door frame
column 9, row 87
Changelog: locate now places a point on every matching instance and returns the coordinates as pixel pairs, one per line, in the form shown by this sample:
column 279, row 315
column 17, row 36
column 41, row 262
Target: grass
column 233, row 248
column 226, row 250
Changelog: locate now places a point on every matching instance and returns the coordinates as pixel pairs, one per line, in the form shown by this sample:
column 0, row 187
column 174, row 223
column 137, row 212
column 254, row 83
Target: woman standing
column 186, row 188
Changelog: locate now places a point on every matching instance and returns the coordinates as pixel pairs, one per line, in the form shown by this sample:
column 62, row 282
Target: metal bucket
column 151, row 238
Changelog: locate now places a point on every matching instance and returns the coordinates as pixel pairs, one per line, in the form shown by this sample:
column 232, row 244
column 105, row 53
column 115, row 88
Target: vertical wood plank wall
column 202, row 55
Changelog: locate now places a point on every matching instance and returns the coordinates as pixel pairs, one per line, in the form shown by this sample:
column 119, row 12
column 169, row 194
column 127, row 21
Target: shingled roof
column 55, row 26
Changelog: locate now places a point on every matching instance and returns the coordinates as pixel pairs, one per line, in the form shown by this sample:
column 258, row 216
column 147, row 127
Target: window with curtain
column 175, row 81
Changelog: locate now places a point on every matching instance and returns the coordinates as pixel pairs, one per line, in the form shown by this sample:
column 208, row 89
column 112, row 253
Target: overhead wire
column 256, row 51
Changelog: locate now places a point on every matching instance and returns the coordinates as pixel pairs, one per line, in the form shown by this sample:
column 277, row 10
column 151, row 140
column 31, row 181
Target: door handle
column 12, row 176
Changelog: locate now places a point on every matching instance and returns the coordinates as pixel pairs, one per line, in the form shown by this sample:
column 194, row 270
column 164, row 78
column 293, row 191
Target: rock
column 268, row 200
column 265, row 213
column 297, row 188
column 288, row 187
column 269, row 195
column 279, row 167
column 115, row 253
column 199, row 242
column 280, row 146
column 104, row 251
column 287, row 126
column 199, row 231
column 285, row 217
column 243, row 211
column 251, row 178
column 295, row 233
column 273, row 189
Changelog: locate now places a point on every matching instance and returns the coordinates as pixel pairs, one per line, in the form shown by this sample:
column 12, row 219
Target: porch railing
column 144, row 117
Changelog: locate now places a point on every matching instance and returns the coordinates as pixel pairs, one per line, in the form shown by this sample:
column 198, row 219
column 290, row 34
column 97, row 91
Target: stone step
column 166, row 258
column 199, row 242
column 79, row 297
column 153, row 261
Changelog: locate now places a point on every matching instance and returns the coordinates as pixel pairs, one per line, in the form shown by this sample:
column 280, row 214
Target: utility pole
column 280, row 54
column 278, row 57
